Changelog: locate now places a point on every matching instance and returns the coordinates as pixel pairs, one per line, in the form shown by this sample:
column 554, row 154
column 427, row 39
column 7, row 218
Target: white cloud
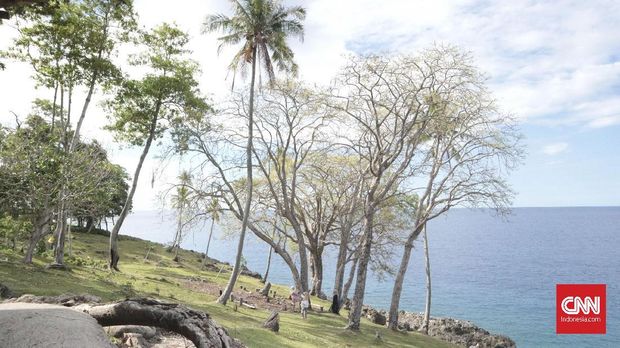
column 555, row 149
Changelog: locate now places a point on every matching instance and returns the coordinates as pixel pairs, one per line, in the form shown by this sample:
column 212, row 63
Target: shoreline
column 463, row 333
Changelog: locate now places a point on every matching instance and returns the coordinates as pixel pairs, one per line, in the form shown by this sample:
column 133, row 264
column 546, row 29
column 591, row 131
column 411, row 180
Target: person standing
column 305, row 304
column 295, row 297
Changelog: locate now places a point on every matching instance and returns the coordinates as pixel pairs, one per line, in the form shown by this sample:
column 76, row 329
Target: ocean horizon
column 499, row 273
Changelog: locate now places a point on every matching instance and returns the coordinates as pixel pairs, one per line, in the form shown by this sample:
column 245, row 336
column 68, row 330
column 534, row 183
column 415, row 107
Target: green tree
column 70, row 47
column 106, row 199
column 30, row 161
column 261, row 27
column 143, row 109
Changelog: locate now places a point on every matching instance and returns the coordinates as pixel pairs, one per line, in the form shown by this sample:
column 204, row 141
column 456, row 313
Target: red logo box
column 580, row 308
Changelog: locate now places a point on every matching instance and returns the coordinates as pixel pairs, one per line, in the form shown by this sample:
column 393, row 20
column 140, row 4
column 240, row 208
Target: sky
column 554, row 65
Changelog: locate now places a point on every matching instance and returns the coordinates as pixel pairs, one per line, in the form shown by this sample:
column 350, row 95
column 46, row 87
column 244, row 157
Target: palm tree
column 180, row 201
column 215, row 217
column 261, row 27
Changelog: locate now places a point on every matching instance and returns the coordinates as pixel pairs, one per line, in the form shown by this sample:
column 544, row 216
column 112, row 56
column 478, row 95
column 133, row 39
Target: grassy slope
column 160, row 277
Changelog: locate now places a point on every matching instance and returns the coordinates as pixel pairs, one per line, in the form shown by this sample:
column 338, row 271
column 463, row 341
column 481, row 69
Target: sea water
column 499, row 273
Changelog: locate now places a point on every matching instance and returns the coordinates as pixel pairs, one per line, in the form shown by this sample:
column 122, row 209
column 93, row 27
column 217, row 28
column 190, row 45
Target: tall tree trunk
column 362, row 270
column 282, row 252
column 176, row 245
column 427, row 309
column 268, row 264
column 341, row 265
column 398, row 284
column 347, row 285
column 61, row 225
column 90, row 224
column 317, row 273
column 248, row 200
column 204, row 261
column 70, row 238
column 303, row 262
column 32, row 244
column 40, row 225
column 114, row 255
column 35, row 237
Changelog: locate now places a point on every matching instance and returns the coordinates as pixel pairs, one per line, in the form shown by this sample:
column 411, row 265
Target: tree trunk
column 268, row 265
column 176, row 245
column 303, row 262
column 317, row 274
column 196, row 326
column 362, row 269
column 265, row 290
column 282, row 252
column 204, row 261
column 35, row 237
column 114, row 255
column 90, row 223
column 59, row 251
column 248, row 200
column 398, row 285
column 273, row 322
column 427, row 309
column 347, row 285
column 70, row 237
column 340, row 266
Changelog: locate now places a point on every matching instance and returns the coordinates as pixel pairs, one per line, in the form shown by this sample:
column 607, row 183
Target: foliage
column 167, row 94
column 261, row 27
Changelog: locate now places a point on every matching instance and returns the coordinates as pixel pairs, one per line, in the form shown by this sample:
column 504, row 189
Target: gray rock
column 460, row 332
column 25, row 325
column 375, row 316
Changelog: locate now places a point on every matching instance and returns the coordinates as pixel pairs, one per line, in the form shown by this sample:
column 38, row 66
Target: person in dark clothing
column 335, row 307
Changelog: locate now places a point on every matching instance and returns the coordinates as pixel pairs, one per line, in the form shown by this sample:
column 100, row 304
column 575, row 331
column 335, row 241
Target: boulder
column 24, row 325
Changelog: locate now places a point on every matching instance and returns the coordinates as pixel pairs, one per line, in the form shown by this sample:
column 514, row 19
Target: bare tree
column 469, row 147
column 383, row 101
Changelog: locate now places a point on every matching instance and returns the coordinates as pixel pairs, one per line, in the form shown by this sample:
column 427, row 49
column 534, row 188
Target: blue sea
column 499, row 273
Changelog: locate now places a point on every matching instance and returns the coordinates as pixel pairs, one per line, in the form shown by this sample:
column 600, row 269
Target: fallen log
column 248, row 305
column 196, row 326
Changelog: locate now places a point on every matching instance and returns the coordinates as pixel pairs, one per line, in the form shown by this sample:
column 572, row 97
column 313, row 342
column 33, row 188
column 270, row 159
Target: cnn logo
column 575, row 305
column 580, row 308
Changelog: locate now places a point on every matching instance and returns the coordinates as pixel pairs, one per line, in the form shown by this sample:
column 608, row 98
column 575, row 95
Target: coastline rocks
column 245, row 271
column 375, row 316
column 460, row 332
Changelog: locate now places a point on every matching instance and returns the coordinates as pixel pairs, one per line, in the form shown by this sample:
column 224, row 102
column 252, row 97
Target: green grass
column 162, row 278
